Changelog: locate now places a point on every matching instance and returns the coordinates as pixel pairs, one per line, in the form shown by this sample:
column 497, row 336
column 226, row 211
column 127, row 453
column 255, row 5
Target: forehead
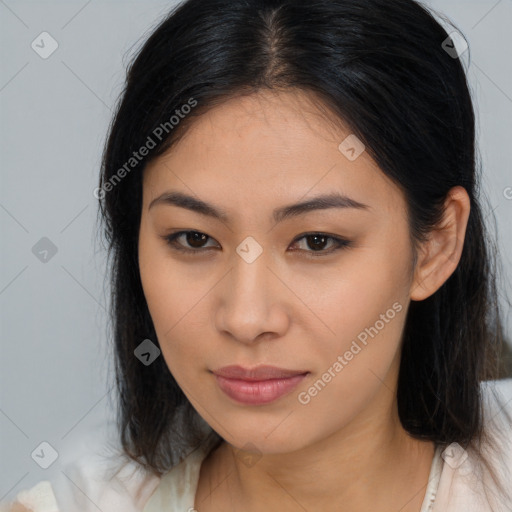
column 282, row 145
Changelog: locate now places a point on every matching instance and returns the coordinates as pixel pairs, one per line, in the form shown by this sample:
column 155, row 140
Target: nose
column 252, row 302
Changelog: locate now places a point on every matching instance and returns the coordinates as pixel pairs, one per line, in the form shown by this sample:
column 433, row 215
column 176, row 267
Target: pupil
column 316, row 237
column 196, row 237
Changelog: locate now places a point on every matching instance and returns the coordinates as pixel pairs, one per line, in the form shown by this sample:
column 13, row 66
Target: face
column 322, row 292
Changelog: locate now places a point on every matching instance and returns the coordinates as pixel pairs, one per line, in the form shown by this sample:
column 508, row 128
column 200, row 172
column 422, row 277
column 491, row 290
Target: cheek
column 176, row 315
column 364, row 291
column 171, row 290
column 174, row 302
column 360, row 360
column 364, row 306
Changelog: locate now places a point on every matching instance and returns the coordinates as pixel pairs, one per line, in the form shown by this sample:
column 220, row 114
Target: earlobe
column 439, row 256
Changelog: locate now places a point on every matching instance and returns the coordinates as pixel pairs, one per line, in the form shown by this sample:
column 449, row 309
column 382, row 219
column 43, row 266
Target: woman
column 304, row 303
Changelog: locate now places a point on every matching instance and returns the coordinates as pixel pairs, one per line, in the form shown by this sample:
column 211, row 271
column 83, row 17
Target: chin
column 264, row 438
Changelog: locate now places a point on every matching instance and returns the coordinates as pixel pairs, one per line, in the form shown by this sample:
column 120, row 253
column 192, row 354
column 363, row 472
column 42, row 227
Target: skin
column 345, row 449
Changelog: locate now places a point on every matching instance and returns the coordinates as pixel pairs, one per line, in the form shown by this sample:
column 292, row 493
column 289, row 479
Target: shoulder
column 470, row 479
column 498, row 424
column 497, row 417
column 39, row 498
column 85, row 487
column 177, row 488
column 498, row 396
column 94, row 475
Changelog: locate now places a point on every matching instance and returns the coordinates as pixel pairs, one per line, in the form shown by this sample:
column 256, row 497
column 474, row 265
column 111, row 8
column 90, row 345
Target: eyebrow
column 322, row 202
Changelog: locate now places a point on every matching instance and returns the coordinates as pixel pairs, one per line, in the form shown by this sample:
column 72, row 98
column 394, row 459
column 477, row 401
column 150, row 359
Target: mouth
column 260, row 385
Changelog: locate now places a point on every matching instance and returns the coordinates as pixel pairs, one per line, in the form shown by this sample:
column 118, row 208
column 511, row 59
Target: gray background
column 55, row 371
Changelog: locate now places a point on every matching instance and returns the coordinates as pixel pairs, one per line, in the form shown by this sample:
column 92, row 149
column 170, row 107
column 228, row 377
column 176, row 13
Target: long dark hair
column 381, row 66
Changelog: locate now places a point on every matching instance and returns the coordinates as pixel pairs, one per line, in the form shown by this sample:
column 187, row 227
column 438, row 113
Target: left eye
column 317, row 241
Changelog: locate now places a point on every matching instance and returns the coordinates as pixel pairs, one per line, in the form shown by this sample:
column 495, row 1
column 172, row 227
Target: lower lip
column 258, row 392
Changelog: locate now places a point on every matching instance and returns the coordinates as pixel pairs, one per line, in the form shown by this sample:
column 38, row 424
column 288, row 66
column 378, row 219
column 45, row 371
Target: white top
column 456, row 483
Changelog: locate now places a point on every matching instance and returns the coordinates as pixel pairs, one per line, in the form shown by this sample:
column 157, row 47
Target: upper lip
column 263, row 372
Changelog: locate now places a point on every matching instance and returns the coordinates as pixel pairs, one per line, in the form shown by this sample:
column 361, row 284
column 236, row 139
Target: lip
column 259, row 373
column 260, row 385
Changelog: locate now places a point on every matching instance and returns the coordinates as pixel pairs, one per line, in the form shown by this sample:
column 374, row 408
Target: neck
column 371, row 461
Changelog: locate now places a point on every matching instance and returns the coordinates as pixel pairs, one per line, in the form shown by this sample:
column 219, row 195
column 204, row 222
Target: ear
column 439, row 256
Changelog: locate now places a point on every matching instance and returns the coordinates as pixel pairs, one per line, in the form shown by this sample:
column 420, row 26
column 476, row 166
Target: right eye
column 193, row 238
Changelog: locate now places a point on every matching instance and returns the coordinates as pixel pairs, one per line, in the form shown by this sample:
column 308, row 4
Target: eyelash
column 340, row 243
